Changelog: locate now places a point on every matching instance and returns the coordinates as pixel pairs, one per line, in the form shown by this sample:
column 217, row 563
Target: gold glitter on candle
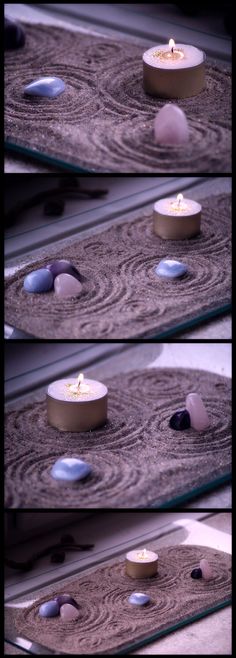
column 168, row 55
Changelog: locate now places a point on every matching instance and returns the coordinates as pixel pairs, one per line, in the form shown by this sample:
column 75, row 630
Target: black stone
column 14, row 35
column 54, row 208
column 196, row 573
column 180, row 420
column 58, row 558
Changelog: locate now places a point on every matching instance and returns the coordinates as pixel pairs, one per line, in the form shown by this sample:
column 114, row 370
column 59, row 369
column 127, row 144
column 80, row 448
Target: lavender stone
column 70, row 469
column 180, row 420
column 47, row 86
column 66, row 598
column 63, row 267
column 14, row 36
column 38, row 281
column 138, row 598
column 49, row 609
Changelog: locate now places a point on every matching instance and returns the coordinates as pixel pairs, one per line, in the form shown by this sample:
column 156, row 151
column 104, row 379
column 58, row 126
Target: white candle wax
column 178, row 209
column 68, row 390
column 182, row 57
column 75, row 406
column 141, row 556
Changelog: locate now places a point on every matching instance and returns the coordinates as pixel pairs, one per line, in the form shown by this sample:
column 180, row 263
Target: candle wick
column 172, row 49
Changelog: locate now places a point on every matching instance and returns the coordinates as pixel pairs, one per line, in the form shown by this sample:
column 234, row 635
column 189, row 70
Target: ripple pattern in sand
column 104, row 120
column 122, row 296
column 108, row 622
column 136, row 458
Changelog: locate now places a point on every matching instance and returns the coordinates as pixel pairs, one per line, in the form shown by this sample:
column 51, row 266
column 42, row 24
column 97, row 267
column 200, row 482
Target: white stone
column 171, row 125
column 68, row 612
column 206, row 569
column 66, row 285
column 199, row 419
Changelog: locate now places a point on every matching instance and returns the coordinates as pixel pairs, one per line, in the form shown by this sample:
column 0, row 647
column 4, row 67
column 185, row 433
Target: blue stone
column 180, row 420
column 47, row 86
column 196, row 573
column 38, row 281
column 70, row 469
column 171, row 269
column 138, row 598
column 49, row 609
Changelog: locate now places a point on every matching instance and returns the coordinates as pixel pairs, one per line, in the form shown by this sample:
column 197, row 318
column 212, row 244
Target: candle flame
column 80, row 378
column 171, row 44
column 179, row 198
column 143, row 554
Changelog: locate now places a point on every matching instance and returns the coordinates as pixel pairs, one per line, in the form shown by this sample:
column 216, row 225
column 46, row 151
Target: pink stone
column 206, row 569
column 68, row 612
column 171, row 126
column 199, row 419
column 66, row 285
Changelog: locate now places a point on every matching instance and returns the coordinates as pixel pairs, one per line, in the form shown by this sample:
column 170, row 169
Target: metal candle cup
column 177, row 219
column 141, row 563
column 177, row 72
column 70, row 409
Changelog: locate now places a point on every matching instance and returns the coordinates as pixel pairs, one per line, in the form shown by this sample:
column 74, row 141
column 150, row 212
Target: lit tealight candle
column 177, row 218
column 77, row 405
column 174, row 71
column 141, row 563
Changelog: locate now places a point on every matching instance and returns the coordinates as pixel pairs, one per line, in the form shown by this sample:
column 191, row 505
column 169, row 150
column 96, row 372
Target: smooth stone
column 48, row 86
column 63, row 267
column 171, row 125
column 70, row 469
column 66, row 598
column 198, row 415
column 14, row 35
column 196, row 573
column 180, row 420
column 68, row 612
column 171, row 269
column 138, row 598
column 49, row 609
column 38, row 281
column 206, row 569
column 66, row 285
